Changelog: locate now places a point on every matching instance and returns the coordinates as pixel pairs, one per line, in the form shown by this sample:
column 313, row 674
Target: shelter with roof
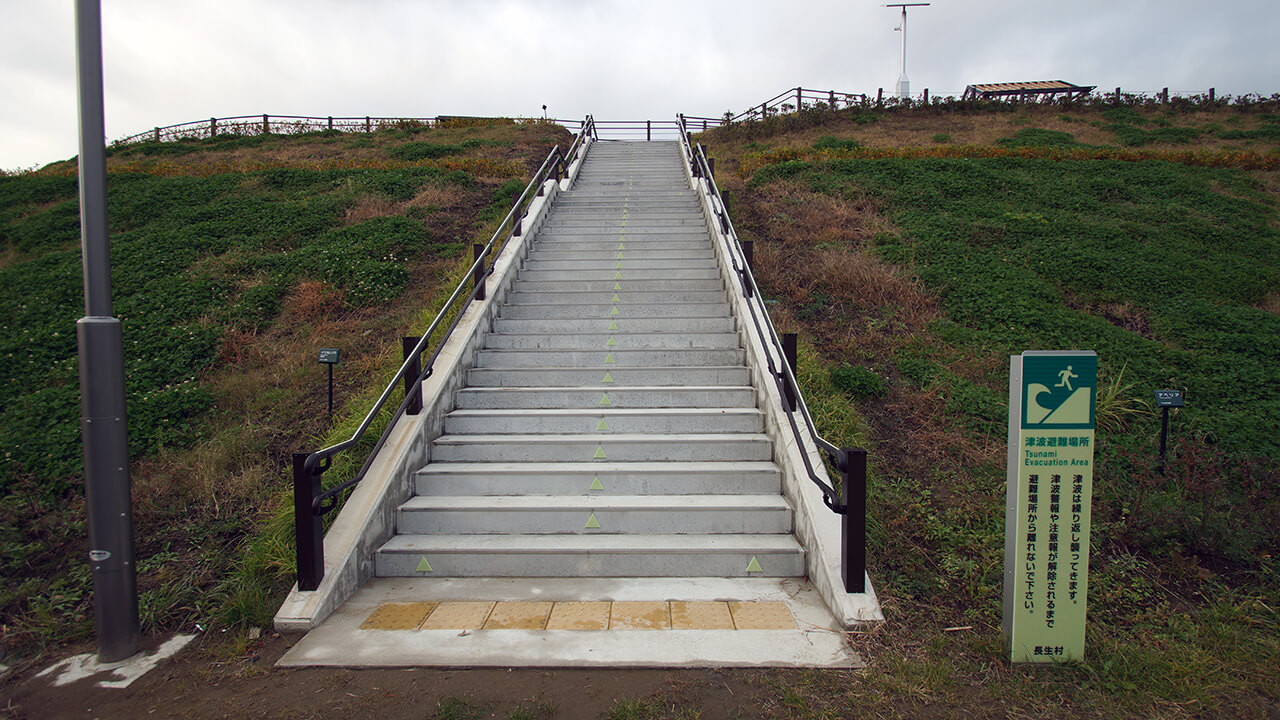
column 1040, row 89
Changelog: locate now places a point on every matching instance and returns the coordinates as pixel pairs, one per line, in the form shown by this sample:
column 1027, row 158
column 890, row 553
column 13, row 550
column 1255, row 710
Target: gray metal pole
column 103, row 426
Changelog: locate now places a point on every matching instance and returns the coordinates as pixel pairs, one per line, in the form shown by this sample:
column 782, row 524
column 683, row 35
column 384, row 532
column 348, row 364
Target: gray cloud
column 172, row 62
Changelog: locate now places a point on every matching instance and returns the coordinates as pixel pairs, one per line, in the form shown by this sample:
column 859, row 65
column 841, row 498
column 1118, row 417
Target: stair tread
column 576, row 543
column 594, row 502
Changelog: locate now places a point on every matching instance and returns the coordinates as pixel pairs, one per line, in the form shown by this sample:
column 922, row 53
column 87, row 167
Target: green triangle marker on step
column 603, row 425
column 619, row 266
column 423, row 565
column 605, row 400
column 608, row 360
column 621, row 256
column 614, row 311
column 613, row 324
column 617, row 286
column 592, row 523
column 607, row 377
column 611, row 342
column 617, row 275
column 754, row 566
column 622, row 246
column 599, row 453
column 616, row 298
column 595, row 484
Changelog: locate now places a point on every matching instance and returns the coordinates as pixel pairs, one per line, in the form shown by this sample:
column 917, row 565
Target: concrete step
column 612, row 357
column 594, row 515
column 610, row 244
column 590, row 556
column 613, row 254
column 605, row 396
column 619, row 310
column 617, row 340
column 622, row 275
column 628, row 264
column 601, row 325
column 598, row 478
column 674, row 376
column 611, row 285
column 520, row 297
column 594, row 420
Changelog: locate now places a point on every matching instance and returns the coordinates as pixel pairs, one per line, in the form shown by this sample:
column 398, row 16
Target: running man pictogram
column 1067, row 376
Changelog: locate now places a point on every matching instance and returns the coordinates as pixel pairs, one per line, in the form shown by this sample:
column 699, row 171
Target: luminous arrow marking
column 423, row 565
column 616, row 298
column 595, row 484
column 611, row 343
column 617, row 275
column 619, row 265
column 607, row 377
column 601, row 456
column 609, row 359
column 592, row 523
column 617, row 286
column 614, row 310
column 603, row 425
column 754, row 566
column 605, row 400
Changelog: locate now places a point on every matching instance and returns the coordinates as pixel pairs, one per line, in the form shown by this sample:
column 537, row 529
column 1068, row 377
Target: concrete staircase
column 608, row 427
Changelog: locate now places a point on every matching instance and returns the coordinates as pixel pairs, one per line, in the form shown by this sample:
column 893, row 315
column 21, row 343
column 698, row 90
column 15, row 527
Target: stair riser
column 621, row 340
column 629, row 285
column 617, row 398
column 625, row 275
column 595, row 564
column 613, row 522
column 572, row 425
column 609, row 254
column 670, row 481
column 605, row 297
column 619, row 377
column 601, row 325
column 622, row 357
column 614, row 263
column 624, row 310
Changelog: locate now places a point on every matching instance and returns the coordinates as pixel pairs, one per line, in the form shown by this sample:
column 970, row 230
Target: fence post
column 789, row 356
column 1211, row 94
column 412, row 390
column 307, row 525
column 157, row 135
column 266, row 124
column 926, row 96
column 648, row 129
column 833, row 100
column 704, row 125
column 879, row 96
column 1164, row 96
column 1117, row 95
column 367, row 124
column 477, row 278
column 764, row 110
column 330, row 122
column 853, row 526
column 799, row 99
column 213, row 127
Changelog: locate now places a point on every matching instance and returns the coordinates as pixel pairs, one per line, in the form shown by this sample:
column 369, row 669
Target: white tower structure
column 904, row 84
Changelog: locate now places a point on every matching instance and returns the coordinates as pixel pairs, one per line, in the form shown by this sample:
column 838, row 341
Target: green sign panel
column 1051, row 419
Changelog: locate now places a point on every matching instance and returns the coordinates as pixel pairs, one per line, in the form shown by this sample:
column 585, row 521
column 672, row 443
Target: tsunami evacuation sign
column 1050, row 488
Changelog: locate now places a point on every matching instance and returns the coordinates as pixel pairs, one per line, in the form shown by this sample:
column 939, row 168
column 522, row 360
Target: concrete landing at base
column 340, row 641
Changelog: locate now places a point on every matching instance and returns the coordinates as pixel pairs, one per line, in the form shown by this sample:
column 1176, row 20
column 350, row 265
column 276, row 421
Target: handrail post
column 749, row 254
column 157, row 135
column 711, row 166
column 648, row 130
column 411, row 388
column 308, row 531
column 266, row 124
column 789, row 356
column 330, row 122
column 799, row 99
column 213, row 127
column 477, row 279
column 853, row 526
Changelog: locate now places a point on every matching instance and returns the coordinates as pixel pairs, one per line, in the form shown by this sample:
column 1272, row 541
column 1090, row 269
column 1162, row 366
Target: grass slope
column 234, row 259
column 915, row 251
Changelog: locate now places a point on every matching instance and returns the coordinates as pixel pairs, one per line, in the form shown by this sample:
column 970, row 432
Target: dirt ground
column 210, row 679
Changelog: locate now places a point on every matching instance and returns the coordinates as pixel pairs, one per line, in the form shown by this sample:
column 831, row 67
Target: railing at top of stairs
column 311, row 502
column 850, row 502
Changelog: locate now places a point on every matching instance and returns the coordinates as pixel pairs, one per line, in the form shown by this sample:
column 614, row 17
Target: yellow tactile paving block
column 458, row 616
column 518, row 616
column 762, row 616
column 398, row 616
column 579, row 616
column 700, row 616
column 640, row 616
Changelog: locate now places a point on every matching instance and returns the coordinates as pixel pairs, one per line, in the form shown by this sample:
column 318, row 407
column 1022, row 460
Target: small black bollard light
column 1166, row 399
column 330, row 356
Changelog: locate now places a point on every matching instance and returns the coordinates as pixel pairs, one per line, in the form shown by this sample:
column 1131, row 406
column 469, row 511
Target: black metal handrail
column 636, row 129
column 311, row 501
column 850, row 501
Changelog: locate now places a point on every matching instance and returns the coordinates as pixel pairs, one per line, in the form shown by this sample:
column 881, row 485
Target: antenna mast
column 904, row 85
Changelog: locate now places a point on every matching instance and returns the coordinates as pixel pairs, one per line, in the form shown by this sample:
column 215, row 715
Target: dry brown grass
column 1271, row 303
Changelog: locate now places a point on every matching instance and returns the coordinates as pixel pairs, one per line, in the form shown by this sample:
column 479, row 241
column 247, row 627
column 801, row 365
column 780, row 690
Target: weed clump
column 858, row 382
column 1038, row 137
column 834, row 143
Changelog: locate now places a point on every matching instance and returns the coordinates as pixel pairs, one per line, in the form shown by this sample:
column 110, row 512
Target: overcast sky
column 172, row 61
